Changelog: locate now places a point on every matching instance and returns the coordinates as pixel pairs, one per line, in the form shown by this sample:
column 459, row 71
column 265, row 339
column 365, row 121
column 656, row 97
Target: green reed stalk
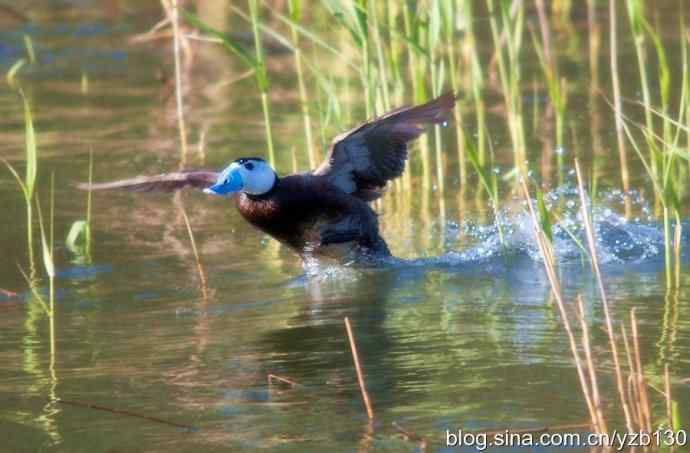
column 487, row 179
column 29, row 44
column 636, row 18
column 510, row 73
column 685, row 38
column 394, row 52
column 89, row 198
column 664, row 190
column 262, row 77
column 448, row 31
column 47, row 246
column 256, row 62
column 354, row 18
column 416, row 59
column 556, row 88
column 618, row 111
column 380, row 56
column 295, row 13
column 27, row 185
column 437, row 82
column 437, row 77
column 477, row 79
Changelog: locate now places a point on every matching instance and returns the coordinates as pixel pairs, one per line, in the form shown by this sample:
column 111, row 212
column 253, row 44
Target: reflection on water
column 459, row 331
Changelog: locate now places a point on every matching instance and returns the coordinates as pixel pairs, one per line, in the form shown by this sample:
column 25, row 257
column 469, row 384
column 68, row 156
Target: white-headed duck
column 323, row 212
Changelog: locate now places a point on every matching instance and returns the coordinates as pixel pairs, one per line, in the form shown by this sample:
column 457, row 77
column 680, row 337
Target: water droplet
column 445, row 124
column 559, row 150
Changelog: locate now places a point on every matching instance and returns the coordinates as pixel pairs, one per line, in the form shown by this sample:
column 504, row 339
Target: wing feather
column 166, row 182
column 373, row 153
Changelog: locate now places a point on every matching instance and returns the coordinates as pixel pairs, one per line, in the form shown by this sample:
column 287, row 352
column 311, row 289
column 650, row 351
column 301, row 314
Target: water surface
column 461, row 331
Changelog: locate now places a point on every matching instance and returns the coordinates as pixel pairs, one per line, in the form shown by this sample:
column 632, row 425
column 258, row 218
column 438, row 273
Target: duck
column 323, row 212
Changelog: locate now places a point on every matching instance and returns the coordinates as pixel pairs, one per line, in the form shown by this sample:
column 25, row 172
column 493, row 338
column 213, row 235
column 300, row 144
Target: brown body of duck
column 324, row 212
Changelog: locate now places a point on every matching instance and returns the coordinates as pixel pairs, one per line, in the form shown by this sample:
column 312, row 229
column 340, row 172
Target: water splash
column 619, row 240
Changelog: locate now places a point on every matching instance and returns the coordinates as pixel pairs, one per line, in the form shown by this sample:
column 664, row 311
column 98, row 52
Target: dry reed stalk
column 358, row 368
column 667, row 394
column 274, row 377
column 600, row 424
column 632, row 388
column 549, row 266
column 639, row 378
column 199, row 266
column 600, row 283
column 125, row 413
column 173, row 11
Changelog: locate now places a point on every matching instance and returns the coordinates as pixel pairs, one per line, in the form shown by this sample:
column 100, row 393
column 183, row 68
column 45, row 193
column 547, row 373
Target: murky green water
column 461, row 334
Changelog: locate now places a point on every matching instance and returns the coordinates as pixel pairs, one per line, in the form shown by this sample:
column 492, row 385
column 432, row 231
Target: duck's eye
column 249, row 166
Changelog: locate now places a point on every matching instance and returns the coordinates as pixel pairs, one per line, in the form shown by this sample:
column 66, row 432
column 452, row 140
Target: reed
column 449, row 10
column 28, row 184
column 546, row 251
column 591, row 243
column 556, row 84
column 417, row 58
column 173, row 15
column 476, row 78
column 295, row 14
column 636, row 17
column 262, row 77
column 203, row 281
column 438, row 75
column 665, row 179
column 622, row 155
column 255, row 62
column 47, row 246
column 358, row 368
column 509, row 36
column 382, row 63
column 489, row 182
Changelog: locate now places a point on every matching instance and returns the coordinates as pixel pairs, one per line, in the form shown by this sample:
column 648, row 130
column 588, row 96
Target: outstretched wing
column 363, row 159
column 166, row 182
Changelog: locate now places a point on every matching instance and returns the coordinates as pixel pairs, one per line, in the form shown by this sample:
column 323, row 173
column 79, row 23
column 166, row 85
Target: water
column 458, row 331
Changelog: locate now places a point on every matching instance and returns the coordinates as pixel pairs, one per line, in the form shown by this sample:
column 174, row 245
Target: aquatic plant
column 508, row 34
column 173, row 14
column 79, row 236
column 295, row 14
column 634, row 401
column 256, row 63
column 615, row 78
column 27, row 185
